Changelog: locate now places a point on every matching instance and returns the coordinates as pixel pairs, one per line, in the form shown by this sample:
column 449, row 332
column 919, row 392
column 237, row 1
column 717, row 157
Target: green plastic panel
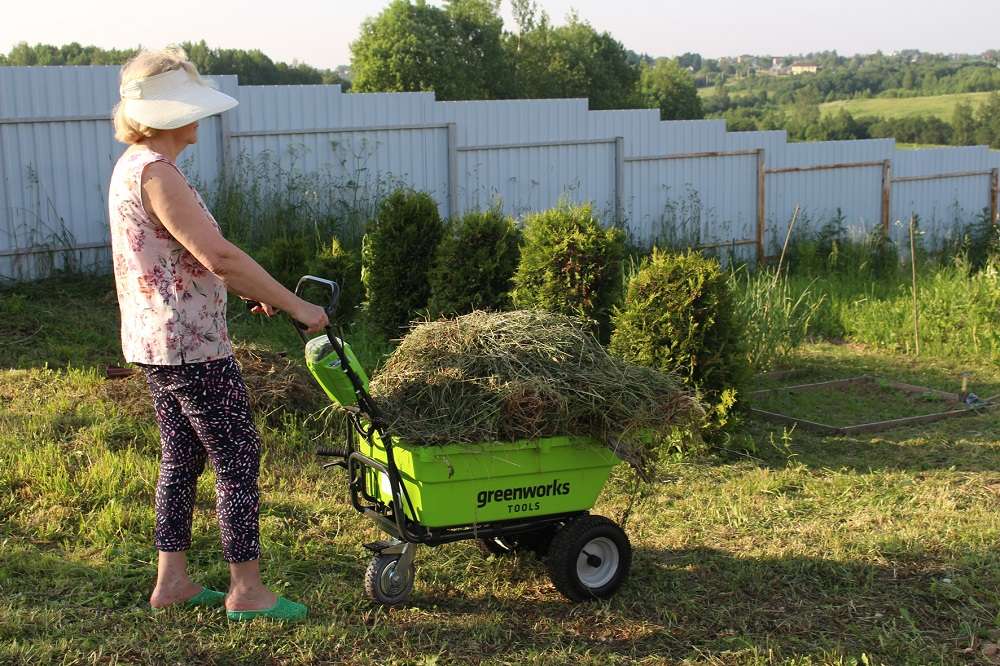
column 324, row 364
column 468, row 484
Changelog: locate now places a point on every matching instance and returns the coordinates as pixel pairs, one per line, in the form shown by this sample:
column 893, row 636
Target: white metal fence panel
column 703, row 187
column 826, row 181
column 945, row 189
column 691, row 198
column 57, row 151
column 524, row 178
column 480, row 123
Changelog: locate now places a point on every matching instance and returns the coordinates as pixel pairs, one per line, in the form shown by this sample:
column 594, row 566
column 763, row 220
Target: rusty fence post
column 886, row 196
column 994, row 192
column 761, row 193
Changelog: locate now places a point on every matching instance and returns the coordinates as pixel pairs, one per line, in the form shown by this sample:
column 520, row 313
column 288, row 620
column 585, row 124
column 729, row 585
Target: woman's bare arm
column 166, row 195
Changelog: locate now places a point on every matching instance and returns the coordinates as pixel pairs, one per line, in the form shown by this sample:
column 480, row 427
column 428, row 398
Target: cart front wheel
column 387, row 581
column 589, row 558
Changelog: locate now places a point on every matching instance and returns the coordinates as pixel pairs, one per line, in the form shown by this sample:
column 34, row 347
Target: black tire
column 381, row 587
column 537, row 541
column 589, row 558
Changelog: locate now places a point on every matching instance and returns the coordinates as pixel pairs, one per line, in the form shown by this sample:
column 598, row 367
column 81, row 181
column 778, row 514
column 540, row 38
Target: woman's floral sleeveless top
column 173, row 309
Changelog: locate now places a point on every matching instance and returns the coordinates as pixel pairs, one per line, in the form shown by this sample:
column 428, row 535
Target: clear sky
column 319, row 32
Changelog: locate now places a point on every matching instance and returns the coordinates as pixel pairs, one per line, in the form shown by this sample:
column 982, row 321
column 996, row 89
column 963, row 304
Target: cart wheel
column 386, row 583
column 589, row 558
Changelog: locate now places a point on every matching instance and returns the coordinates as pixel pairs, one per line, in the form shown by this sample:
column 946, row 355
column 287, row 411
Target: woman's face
column 188, row 134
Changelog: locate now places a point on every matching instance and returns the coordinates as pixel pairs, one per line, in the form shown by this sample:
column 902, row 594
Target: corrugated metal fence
column 687, row 181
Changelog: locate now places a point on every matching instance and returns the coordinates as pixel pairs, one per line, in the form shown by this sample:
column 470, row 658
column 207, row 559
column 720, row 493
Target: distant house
column 804, row 68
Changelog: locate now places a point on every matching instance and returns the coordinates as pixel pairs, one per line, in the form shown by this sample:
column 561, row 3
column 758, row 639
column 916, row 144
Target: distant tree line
column 804, row 122
column 253, row 66
column 905, row 74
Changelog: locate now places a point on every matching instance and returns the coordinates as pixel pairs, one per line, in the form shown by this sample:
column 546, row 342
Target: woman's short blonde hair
column 142, row 65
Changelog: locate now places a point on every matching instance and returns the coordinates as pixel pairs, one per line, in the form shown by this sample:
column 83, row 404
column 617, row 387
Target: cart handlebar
column 331, row 309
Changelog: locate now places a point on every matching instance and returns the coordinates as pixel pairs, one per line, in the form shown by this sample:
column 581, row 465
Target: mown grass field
column 878, row 549
column 712, row 91
column 942, row 106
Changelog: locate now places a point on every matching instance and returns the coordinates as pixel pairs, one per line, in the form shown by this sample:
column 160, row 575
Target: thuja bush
column 570, row 264
column 475, row 264
column 286, row 257
column 679, row 316
column 396, row 255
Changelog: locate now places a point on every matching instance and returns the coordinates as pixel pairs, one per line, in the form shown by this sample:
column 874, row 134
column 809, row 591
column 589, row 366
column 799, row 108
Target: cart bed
column 469, row 484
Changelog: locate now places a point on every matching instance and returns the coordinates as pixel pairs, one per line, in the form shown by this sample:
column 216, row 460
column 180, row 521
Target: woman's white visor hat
column 172, row 99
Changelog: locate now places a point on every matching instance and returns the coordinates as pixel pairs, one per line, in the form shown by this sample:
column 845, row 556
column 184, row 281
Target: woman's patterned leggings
column 204, row 412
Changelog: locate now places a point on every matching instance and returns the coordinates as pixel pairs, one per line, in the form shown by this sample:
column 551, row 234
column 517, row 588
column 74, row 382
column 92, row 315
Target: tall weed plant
column 776, row 314
column 958, row 313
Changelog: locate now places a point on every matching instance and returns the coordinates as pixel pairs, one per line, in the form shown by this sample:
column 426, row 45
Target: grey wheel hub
column 597, row 562
column 393, row 581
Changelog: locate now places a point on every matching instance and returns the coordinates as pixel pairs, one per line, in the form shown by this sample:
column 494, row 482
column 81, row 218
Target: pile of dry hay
column 505, row 376
column 274, row 382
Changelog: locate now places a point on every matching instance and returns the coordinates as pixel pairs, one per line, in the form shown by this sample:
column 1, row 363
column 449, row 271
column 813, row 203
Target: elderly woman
column 172, row 270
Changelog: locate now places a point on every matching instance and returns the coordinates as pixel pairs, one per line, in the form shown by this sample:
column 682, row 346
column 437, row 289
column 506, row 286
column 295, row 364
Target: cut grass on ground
column 813, row 550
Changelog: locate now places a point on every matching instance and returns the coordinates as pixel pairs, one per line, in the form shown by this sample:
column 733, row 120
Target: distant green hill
column 942, row 106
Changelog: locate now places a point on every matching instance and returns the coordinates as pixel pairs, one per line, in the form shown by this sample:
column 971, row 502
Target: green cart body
column 524, row 495
column 473, row 484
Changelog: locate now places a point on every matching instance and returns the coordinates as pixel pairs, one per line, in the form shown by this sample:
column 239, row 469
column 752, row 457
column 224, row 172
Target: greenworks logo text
column 525, row 492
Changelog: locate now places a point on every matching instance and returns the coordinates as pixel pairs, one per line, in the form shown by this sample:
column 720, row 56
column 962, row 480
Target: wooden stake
column 913, row 270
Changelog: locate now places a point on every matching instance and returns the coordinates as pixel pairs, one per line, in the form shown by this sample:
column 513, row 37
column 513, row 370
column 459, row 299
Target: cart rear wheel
column 589, row 558
column 387, row 582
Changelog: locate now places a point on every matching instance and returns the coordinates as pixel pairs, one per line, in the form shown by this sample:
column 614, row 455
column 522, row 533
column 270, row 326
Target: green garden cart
column 532, row 495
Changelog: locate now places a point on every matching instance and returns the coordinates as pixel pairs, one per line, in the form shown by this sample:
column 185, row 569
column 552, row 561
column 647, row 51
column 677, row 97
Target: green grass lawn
column 840, row 405
column 878, row 549
column 942, row 106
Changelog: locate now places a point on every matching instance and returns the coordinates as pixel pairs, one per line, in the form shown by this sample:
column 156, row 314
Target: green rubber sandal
column 283, row 609
column 207, row 598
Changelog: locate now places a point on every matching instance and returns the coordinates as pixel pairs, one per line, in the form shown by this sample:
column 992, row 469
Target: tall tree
column 988, row 125
column 478, row 31
column 963, row 125
column 669, row 88
column 571, row 60
column 454, row 51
